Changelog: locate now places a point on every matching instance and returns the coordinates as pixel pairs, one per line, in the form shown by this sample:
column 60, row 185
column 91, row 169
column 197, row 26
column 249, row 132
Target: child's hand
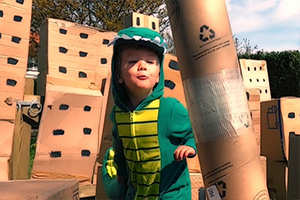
column 183, row 152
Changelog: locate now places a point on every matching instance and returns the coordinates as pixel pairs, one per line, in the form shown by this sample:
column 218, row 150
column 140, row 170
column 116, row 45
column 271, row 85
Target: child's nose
column 142, row 65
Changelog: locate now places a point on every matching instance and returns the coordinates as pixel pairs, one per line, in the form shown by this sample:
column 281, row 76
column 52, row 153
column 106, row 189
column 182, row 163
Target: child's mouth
column 142, row 77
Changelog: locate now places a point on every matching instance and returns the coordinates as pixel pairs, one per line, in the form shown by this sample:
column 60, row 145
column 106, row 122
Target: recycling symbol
column 206, row 33
column 221, row 185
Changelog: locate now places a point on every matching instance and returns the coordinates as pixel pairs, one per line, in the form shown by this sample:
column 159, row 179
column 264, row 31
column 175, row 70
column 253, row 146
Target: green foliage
column 283, row 70
column 106, row 14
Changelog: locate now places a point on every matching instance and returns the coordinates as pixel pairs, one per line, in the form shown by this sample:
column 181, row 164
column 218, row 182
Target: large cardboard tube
column 216, row 100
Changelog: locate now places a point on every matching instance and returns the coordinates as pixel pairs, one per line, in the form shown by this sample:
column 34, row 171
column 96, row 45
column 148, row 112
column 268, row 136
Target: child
column 152, row 135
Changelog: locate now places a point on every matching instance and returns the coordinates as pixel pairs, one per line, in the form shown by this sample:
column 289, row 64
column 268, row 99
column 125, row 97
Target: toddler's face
column 139, row 70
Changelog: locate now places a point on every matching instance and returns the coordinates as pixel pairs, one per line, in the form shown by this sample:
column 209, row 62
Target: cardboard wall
column 279, row 118
column 4, row 168
column 255, row 75
column 14, row 42
column 253, row 97
column 68, row 132
column 73, row 55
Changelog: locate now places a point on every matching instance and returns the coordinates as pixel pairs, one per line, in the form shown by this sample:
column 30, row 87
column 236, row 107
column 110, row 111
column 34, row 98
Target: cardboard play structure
column 14, row 41
column 75, row 76
column 255, row 156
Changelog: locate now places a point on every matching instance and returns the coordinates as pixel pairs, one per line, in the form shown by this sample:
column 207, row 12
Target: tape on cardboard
column 217, row 105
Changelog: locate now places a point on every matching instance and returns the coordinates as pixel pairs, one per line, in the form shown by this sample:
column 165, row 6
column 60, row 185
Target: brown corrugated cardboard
column 65, row 58
column 14, row 45
column 231, row 167
column 39, row 189
column 255, row 75
column 196, row 184
column 152, row 23
column 4, row 169
column 278, row 118
column 173, row 82
column 7, row 131
column 294, row 167
column 140, row 20
column 15, row 20
column 134, row 19
column 21, row 4
column 216, row 100
column 11, row 90
column 69, row 131
column 277, row 174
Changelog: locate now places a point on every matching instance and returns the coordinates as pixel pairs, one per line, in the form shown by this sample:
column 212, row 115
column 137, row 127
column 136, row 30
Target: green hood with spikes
column 143, row 37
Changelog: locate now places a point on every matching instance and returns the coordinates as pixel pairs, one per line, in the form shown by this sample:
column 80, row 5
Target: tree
column 244, row 47
column 105, row 14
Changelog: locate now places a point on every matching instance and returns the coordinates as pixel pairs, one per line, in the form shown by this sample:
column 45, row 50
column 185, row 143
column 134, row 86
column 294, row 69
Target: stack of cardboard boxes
column 275, row 121
column 280, row 121
column 15, row 17
column 256, row 82
column 74, row 61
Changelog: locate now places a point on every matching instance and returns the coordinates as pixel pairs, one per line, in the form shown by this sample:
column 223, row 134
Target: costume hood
column 144, row 37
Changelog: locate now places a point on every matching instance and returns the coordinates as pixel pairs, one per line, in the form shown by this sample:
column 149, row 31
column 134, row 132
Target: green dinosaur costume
column 145, row 139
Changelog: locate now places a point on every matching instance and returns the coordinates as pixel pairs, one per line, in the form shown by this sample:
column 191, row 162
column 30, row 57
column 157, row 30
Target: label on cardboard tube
column 212, row 193
column 217, row 105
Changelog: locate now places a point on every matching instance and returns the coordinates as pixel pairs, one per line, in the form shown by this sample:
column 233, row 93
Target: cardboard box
column 152, row 23
column 14, row 45
column 294, row 166
column 12, row 90
column 277, row 177
column 69, row 131
column 13, row 63
column 140, row 20
column 173, row 82
column 39, row 189
column 196, row 184
column 64, row 58
column 15, row 20
column 279, row 117
column 4, row 169
column 21, row 4
column 7, row 131
column 255, row 75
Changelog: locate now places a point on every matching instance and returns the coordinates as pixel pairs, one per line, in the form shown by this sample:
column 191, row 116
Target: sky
column 272, row 25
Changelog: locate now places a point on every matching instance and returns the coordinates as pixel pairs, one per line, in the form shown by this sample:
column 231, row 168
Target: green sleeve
column 119, row 158
column 181, row 125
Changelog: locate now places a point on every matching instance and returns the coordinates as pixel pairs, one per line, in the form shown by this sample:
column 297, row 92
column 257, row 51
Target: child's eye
column 132, row 61
column 151, row 61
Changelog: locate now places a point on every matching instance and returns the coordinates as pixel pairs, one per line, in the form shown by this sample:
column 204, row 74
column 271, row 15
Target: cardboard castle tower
column 15, row 17
column 74, row 61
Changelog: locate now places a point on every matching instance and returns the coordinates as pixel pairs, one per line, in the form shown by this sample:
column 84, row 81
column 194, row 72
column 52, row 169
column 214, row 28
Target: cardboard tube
column 216, row 100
